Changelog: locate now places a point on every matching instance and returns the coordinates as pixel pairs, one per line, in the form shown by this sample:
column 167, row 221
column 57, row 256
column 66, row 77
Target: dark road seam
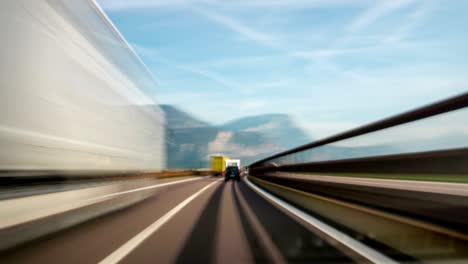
column 200, row 246
column 257, row 250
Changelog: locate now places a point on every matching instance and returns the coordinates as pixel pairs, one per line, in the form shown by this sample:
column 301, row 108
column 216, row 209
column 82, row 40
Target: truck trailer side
column 218, row 165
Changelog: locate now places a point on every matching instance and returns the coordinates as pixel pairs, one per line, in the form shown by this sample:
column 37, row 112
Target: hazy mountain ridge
column 278, row 127
column 191, row 141
column 176, row 118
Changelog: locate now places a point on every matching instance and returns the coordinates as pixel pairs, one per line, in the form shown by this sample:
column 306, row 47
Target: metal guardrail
column 430, row 139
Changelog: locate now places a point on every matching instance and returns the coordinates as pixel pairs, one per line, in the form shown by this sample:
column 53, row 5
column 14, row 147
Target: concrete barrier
column 30, row 217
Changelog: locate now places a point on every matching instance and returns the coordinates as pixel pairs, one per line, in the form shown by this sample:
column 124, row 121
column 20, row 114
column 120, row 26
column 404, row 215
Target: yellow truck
column 218, row 165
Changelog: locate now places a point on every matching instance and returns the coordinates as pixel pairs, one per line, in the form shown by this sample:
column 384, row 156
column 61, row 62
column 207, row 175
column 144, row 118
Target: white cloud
column 272, row 84
column 259, row 60
column 226, row 83
column 238, row 27
column 325, row 53
column 152, row 54
column 377, row 11
column 414, row 19
column 243, row 4
column 119, row 5
column 318, row 130
column 251, row 104
column 298, row 3
column 210, row 75
column 390, row 87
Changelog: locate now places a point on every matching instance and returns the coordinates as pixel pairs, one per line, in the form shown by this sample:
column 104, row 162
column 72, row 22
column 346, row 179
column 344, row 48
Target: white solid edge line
column 81, row 203
column 143, row 188
column 358, row 247
column 130, row 245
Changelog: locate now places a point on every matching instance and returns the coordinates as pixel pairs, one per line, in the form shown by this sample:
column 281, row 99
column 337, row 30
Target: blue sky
column 332, row 64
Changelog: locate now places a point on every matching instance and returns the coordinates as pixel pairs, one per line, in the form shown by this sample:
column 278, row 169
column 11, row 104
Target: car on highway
column 232, row 172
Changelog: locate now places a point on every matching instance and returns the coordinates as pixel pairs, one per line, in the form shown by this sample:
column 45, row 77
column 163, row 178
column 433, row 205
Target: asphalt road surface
column 203, row 221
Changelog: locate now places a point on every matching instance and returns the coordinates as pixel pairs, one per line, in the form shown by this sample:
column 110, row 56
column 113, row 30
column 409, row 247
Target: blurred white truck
column 233, row 162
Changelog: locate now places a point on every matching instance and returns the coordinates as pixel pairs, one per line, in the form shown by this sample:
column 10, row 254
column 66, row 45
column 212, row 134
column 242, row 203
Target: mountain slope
column 190, row 142
column 279, row 128
column 177, row 118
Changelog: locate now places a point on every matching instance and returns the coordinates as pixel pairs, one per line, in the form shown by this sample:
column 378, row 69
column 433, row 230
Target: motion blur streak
column 75, row 97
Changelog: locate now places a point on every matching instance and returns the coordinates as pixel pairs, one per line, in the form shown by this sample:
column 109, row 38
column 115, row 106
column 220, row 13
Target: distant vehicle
column 218, row 164
column 232, row 172
column 233, row 162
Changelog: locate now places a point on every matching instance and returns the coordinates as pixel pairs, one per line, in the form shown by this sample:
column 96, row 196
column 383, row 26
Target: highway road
column 201, row 221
